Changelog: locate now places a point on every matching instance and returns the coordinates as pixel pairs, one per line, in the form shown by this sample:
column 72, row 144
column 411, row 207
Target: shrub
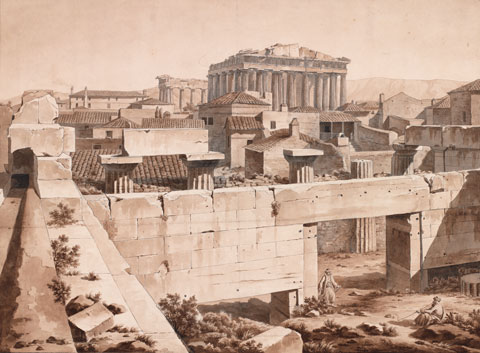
column 310, row 304
column 91, row 277
column 61, row 217
column 123, row 329
column 275, row 208
column 63, row 255
column 149, row 341
column 181, row 314
column 470, row 324
column 319, row 347
column 60, row 290
column 94, row 297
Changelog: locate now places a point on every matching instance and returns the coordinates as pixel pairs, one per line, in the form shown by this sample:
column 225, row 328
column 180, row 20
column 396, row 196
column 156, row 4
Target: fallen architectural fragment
column 90, row 322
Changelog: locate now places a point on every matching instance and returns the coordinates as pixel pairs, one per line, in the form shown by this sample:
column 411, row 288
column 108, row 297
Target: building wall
column 274, row 162
column 103, row 103
column 101, row 133
column 475, row 110
column 235, row 151
column 382, row 160
column 253, row 163
column 308, row 122
column 371, row 139
column 97, row 143
column 461, row 111
column 137, row 115
column 6, row 115
column 404, row 106
column 216, row 244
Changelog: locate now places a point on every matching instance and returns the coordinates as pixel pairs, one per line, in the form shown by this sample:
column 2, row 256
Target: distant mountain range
column 368, row 89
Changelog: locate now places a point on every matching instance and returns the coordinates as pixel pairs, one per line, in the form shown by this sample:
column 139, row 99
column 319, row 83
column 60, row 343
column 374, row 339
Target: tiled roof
column 122, row 123
column 85, row 117
column 243, row 123
column 164, row 123
column 151, row 101
column 469, row 87
column 304, row 110
column 351, row 107
column 277, row 136
column 103, row 93
column 443, row 103
column 166, row 170
column 369, row 105
column 336, row 117
column 236, row 98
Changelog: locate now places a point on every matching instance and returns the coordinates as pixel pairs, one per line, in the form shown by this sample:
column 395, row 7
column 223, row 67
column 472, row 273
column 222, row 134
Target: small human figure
column 327, row 287
column 431, row 314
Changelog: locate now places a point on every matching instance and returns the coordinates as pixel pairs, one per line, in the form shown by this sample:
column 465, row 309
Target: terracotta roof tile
column 304, row 110
column 243, row 123
column 443, row 103
column 105, row 93
column 167, row 171
column 278, row 136
column 122, row 123
column 473, row 86
column 351, row 107
column 336, row 117
column 85, row 117
column 237, row 98
column 164, row 123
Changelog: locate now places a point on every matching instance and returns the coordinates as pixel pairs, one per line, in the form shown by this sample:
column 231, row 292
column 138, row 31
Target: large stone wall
column 382, row 160
column 371, row 139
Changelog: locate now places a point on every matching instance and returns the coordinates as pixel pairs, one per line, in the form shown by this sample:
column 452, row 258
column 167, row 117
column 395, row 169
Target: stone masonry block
column 53, row 168
column 122, row 229
column 256, row 252
column 34, row 137
column 41, row 110
column 289, row 247
column 178, row 243
column 255, row 218
column 171, row 225
column 129, row 206
column 187, row 202
column 213, row 257
column 279, row 233
column 141, row 247
column 230, row 199
column 215, row 221
column 263, row 197
column 68, row 139
column 234, row 237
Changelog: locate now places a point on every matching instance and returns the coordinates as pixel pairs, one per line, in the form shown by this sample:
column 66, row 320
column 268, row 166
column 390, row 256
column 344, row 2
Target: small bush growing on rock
column 91, row 277
column 312, row 303
column 60, row 289
column 94, row 297
column 319, row 347
column 149, row 341
column 61, row 217
column 181, row 314
column 123, row 329
column 470, row 324
column 63, row 255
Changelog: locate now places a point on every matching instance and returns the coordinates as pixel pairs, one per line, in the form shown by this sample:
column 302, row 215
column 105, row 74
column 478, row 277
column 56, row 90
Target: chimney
column 294, row 128
column 85, row 97
column 433, row 101
column 381, row 97
column 71, row 90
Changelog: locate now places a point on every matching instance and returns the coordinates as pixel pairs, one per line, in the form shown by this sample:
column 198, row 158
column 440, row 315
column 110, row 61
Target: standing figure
column 432, row 314
column 327, row 287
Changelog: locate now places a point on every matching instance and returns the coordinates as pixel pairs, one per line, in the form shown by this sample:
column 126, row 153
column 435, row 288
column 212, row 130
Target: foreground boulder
column 279, row 340
column 78, row 304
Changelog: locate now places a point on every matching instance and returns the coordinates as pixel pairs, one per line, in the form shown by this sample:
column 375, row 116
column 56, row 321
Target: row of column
column 118, row 182
column 165, row 95
column 283, row 86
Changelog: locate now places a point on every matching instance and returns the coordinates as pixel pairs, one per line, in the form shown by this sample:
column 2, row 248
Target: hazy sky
column 125, row 44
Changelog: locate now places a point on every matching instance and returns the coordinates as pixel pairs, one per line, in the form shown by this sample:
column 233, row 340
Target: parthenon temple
column 294, row 76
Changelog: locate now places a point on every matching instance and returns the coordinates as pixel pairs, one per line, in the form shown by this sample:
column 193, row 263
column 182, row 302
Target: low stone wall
column 371, row 139
column 382, row 160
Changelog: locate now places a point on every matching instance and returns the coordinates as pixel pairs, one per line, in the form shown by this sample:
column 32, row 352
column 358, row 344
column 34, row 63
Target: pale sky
column 125, row 44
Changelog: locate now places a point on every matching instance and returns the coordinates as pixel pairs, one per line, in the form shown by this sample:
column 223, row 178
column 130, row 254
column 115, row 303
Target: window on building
column 89, row 105
column 273, row 125
column 116, row 98
column 210, row 121
column 108, row 105
column 204, row 120
column 327, row 128
column 97, row 147
column 249, row 142
column 464, row 117
column 76, row 105
column 109, row 134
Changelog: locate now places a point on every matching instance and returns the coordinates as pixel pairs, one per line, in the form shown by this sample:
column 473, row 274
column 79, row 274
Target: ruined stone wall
column 253, row 163
column 371, row 139
column 382, row 160
column 460, row 106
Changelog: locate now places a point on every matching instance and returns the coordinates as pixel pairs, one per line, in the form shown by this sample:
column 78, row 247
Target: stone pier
column 365, row 228
column 200, row 168
column 402, row 160
column 118, row 172
column 300, row 163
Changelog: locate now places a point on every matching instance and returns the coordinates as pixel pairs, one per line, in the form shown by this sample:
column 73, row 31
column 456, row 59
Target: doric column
column 192, row 91
column 402, row 160
column 252, row 79
column 365, row 228
column 260, row 85
column 223, row 83
column 325, row 92
column 200, row 168
column 181, row 99
column 292, row 89
column 275, row 95
column 236, row 81
column 269, row 81
column 216, row 89
column 333, row 91
column 202, row 96
column 300, row 162
column 305, row 91
column 230, row 82
column 284, row 88
column 343, row 89
column 244, row 80
column 118, row 172
column 318, row 91
column 169, row 95
column 210, row 87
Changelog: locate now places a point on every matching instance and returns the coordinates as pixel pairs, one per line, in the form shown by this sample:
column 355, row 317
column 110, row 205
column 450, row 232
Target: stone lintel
column 406, row 149
column 302, row 152
column 209, row 156
column 112, row 159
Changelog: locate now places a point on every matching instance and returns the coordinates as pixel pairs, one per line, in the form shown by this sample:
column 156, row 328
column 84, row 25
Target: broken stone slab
column 77, row 304
column 279, row 340
column 53, row 168
column 90, row 322
column 42, row 139
column 41, row 110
